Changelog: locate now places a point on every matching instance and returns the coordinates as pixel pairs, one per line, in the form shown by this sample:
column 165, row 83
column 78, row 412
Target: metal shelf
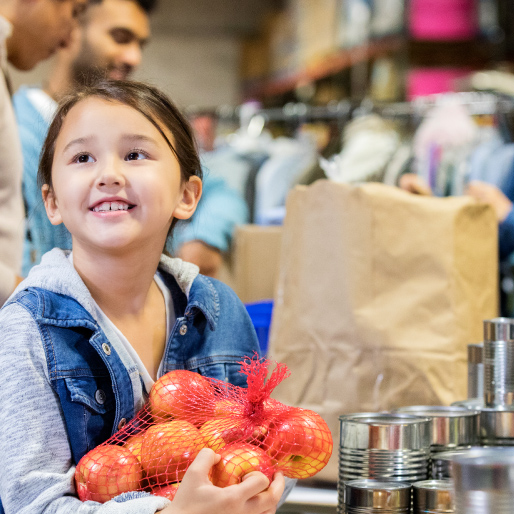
column 329, row 65
column 311, row 500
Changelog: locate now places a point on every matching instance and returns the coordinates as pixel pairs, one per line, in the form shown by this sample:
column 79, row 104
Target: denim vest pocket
column 89, row 409
column 88, row 392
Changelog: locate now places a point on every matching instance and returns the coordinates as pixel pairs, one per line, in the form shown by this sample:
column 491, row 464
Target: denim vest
column 211, row 335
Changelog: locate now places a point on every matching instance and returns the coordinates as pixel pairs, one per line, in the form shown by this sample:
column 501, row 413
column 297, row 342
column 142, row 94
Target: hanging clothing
column 288, row 160
column 369, row 143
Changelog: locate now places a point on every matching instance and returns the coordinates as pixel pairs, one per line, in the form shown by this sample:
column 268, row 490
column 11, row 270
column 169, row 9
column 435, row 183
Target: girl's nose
column 111, row 174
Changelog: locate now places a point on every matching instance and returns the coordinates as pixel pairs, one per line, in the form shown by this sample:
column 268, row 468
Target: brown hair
column 148, row 7
column 154, row 105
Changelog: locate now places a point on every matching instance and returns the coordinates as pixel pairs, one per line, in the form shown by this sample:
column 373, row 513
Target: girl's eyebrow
column 78, row 141
column 132, row 138
column 135, row 138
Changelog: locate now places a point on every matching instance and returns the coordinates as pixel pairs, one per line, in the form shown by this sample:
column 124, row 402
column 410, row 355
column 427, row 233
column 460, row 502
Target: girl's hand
column 197, row 494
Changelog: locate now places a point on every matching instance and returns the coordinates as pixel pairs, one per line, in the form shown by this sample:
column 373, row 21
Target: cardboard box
column 283, row 43
column 255, row 58
column 256, row 262
column 316, row 29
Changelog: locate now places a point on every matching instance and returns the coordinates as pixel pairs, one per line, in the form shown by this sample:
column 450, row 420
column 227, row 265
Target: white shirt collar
column 43, row 103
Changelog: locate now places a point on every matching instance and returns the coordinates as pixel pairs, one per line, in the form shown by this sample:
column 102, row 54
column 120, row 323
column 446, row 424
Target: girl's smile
column 112, row 206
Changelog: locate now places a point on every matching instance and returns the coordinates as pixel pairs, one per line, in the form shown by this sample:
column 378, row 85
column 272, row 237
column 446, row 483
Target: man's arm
column 209, row 233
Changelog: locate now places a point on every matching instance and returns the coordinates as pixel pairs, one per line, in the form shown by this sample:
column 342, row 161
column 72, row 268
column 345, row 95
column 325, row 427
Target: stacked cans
column 389, row 447
column 484, row 481
column 483, row 478
column 383, row 457
column 497, row 415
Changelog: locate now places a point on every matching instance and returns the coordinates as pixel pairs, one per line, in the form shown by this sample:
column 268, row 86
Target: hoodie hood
column 56, row 273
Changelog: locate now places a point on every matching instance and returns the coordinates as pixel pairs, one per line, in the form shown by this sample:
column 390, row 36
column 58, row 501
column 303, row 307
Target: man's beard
column 85, row 72
column 87, row 75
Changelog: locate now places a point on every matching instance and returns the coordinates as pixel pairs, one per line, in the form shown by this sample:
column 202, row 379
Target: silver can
column 499, row 363
column 484, row 481
column 433, row 497
column 496, row 427
column 390, row 447
column 452, row 427
column 475, row 370
column 374, row 496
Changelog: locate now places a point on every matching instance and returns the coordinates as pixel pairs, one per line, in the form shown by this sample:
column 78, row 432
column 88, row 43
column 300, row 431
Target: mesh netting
column 186, row 412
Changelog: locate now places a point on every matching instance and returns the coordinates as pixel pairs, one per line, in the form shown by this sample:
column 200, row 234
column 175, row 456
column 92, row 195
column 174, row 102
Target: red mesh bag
column 186, row 412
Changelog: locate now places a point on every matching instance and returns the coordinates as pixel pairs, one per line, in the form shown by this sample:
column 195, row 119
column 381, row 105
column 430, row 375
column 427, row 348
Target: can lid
column 484, row 469
column 499, row 329
column 449, row 455
column 470, row 403
column 385, row 431
column 383, row 418
column 439, row 411
column 377, row 494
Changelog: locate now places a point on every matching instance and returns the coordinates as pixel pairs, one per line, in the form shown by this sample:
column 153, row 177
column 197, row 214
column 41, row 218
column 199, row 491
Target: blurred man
column 208, row 235
column 108, row 42
column 30, row 31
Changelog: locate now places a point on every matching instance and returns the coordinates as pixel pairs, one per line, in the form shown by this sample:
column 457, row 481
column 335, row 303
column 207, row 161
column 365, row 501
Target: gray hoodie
column 36, row 472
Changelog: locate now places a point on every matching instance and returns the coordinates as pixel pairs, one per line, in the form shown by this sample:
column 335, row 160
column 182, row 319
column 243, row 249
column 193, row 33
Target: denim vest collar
column 203, row 298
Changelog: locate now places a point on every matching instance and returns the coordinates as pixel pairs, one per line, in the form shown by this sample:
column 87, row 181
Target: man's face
column 43, row 27
column 111, row 40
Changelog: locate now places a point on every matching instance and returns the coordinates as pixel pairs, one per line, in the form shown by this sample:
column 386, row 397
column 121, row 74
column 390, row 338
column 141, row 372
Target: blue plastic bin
column 260, row 314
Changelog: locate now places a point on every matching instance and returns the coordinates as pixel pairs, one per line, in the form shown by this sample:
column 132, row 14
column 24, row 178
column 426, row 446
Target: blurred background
column 284, row 92
column 208, row 54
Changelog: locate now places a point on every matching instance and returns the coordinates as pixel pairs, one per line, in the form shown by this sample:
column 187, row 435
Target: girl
column 86, row 334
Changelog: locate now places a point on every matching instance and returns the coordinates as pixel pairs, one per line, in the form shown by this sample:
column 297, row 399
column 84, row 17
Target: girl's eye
column 83, row 158
column 136, row 155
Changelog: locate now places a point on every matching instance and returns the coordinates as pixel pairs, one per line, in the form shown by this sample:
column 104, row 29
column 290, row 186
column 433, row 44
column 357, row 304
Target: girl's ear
column 190, row 198
column 52, row 210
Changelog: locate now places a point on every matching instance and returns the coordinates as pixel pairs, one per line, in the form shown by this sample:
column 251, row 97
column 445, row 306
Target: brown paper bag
column 379, row 293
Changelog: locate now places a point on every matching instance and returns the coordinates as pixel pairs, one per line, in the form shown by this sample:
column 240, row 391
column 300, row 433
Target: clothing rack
column 478, row 103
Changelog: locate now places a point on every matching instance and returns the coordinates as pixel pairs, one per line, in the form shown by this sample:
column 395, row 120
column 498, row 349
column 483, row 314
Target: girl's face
column 116, row 183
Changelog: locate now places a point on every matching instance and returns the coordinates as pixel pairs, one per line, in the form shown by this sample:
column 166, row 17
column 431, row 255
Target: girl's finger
column 203, row 463
column 277, row 486
column 253, row 483
column 266, row 502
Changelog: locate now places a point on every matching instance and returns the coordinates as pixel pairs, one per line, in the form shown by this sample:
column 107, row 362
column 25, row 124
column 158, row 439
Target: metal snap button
column 106, row 348
column 122, row 423
column 183, row 329
column 100, row 396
